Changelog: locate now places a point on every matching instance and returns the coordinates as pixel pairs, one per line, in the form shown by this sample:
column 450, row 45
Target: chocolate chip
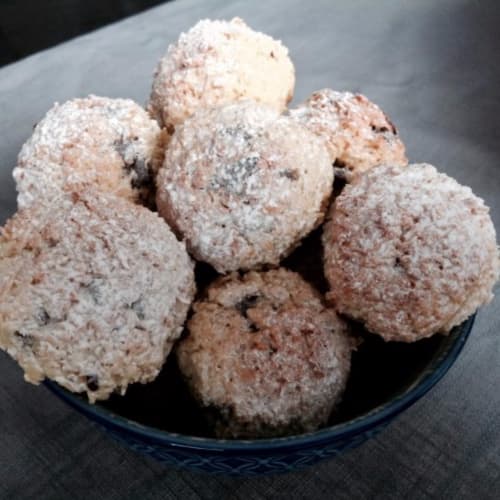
column 290, row 173
column 379, row 130
column 393, row 129
column 120, row 146
column 42, row 316
column 246, row 303
column 138, row 308
column 253, row 327
column 143, row 177
column 92, row 382
column 37, row 279
column 94, row 289
column 397, row 262
column 139, row 168
column 238, row 132
column 234, row 177
column 27, row 340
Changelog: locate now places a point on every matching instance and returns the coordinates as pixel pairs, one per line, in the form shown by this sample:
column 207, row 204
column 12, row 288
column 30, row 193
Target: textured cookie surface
column 409, row 252
column 243, row 185
column 358, row 134
column 265, row 356
column 93, row 292
column 217, row 62
column 111, row 144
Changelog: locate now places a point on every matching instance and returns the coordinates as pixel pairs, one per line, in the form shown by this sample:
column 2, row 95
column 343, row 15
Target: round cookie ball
column 111, row 144
column 409, row 252
column 217, row 62
column 243, row 185
column 94, row 292
column 264, row 356
column 358, row 134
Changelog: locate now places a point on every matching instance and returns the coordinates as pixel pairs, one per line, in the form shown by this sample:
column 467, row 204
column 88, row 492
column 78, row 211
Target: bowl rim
column 372, row 419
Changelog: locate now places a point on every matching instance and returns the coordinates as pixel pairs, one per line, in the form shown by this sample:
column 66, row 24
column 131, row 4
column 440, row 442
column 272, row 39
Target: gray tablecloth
column 433, row 66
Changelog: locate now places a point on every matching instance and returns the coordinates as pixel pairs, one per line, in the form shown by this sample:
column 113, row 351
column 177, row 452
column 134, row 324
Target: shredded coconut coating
column 409, row 252
column 217, row 62
column 358, row 134
column 112, row 144
column 243, row 185
column 265, row 356
column 93, row 292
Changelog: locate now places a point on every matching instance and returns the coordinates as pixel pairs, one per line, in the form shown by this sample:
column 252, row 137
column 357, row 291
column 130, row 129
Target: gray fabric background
column 433, row 66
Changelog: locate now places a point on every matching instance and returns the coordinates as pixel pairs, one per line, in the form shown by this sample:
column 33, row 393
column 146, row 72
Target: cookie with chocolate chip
column 243, row 185
column 409, row 252
column 109, row 144
column 264, row 356
column 357, row 133
column 94, row 291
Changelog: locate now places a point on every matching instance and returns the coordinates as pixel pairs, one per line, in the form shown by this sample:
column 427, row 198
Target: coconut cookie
column 358, row 134
column 93, row 292
column 409, row 252
column 243, row 185
column 264, row 356
column 110, row 144
column 217, row 62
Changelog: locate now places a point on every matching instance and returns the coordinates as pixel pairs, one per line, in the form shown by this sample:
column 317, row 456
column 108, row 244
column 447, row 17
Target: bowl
column 161, row 420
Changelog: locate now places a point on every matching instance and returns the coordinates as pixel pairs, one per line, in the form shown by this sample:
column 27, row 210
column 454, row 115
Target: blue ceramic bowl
column 157, row 419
